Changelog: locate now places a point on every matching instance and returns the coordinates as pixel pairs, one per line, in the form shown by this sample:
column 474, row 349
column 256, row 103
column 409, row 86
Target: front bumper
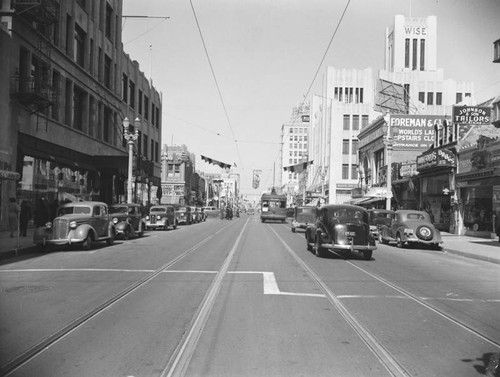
column 351, row 247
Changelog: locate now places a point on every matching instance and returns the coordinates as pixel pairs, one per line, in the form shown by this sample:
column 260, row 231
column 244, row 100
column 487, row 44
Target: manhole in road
column 26, row 289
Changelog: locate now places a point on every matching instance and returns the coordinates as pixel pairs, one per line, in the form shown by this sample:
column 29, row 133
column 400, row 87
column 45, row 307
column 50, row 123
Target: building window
column 336, row 93
column 108, row 119
column 56, row 87
column 347, row 121
column 78, row 107
column 131, row 89
column 157, row 152
column 414, row 60
column 439, row 98
column 407, row 53
column 145, row 145
column 345, row 146
column 139, row 101
column 68, row 34
column 345, row 171
column 421, row 97
column 158, row 120
column 422, row 54
column 107, row 71
column 458, row 98
column 152, row 150
column 364, row 120
column 355, row 122
column 354, row 150
column 125, row 88
column 354, row 172
column 146, row 107
column 430, row 98
column 79, row 46
column 109, row 20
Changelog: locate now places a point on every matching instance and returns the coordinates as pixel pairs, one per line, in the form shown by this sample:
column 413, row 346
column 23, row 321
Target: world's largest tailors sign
column 414, row 132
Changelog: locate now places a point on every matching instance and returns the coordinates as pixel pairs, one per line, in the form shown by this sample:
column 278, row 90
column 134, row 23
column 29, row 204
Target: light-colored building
column 178, row 168
column 295, row 145
column 337, row 115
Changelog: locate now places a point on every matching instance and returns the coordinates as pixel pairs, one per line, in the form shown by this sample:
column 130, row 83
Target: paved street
column 242, row 298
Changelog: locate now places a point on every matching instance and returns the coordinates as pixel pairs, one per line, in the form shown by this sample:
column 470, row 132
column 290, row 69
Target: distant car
column 303, row 216
column 184, row 215
column 378, row 218
column 161, row 217
column 128, row 220
column 250, row 211
column 410, row 227
column 340, row 228
column 211, row 212
column 203, row 215
column 196, row 214
column 77, row 223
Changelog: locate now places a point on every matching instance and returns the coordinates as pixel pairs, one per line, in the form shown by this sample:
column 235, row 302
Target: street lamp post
column 388, row 145
column 131, row 137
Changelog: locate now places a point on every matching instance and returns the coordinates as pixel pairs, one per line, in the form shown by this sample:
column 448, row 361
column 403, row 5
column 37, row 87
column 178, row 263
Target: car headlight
column 48, row 225
column 147, row 217
column 158, row 217
column 72, row 224
column 115, row 220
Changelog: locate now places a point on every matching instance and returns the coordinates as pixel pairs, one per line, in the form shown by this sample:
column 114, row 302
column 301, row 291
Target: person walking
column 25, row 217
column 13, row 216
column 41, row 213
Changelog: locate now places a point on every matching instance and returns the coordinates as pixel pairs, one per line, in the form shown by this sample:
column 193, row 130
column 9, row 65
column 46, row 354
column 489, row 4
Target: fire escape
column 32, row 85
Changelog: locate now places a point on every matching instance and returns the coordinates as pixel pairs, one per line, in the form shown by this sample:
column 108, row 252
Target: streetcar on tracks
column 273, row 207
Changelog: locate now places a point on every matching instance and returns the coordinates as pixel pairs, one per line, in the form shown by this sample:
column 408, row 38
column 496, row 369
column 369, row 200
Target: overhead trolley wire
column 215, row 79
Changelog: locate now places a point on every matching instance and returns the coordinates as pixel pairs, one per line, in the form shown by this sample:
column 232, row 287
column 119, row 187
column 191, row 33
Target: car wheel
column 319, row 250
column 175, row 224
column 367, row 254
column 87, row 242
column 140, row 233
column 424, row 233
column 308, row 245
column 399, row 241
column 126, row 234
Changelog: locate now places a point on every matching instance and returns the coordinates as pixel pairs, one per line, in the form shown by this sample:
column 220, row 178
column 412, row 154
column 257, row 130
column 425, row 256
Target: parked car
column 340, row 228
column 184, row 215
column 161, row 217
column 211, row 211
column 303, row 216
column 203, row 215
column 128, row 220
column 196, row 215
column 410, row 227
column 378, row 218
column 81, row 223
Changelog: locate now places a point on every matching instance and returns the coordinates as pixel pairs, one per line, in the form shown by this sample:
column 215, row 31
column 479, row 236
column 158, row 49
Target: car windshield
column 343, row 214
column 73, row 210
column 306, row 211
column 158, row 209
column 118, row 209
column 415, row 216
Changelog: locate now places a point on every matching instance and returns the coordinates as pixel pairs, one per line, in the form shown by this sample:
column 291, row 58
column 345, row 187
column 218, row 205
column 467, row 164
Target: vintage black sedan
column 378, row 218
column 303, row 216
column 80, row 223
column 128, row 220
column 340, row 228
column 161, row 216
column 410, row 227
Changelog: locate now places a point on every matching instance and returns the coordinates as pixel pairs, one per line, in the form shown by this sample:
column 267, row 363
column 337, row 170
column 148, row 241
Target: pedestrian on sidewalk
column 13, row 216
column 41, row 213
column 25, row 217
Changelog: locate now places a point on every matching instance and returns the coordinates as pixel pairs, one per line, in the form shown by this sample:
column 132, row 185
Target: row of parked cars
column 84, row 223
column 349, row 228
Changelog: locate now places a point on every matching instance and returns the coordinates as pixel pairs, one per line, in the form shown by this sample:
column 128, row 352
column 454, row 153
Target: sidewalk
column 470, row 247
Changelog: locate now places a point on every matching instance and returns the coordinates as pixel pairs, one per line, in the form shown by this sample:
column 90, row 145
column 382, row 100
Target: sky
column 228, row 89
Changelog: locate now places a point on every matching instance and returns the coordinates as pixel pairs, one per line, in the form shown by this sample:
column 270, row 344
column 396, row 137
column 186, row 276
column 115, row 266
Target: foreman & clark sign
column 435, row 158
column 415, row 132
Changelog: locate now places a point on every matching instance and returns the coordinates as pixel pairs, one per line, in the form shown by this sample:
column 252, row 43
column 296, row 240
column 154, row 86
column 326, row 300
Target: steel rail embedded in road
column 381, row 353
column 67, row 329
column 181, row 357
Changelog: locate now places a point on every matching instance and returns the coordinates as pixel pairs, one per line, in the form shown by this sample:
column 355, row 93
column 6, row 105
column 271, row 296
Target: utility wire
column 215, row 79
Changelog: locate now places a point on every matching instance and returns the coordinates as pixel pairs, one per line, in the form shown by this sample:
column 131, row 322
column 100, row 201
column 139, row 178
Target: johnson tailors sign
column 414, row 132
column 471, row 115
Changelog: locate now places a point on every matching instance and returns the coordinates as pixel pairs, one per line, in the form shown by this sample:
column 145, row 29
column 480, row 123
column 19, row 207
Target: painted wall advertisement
column 414, row 132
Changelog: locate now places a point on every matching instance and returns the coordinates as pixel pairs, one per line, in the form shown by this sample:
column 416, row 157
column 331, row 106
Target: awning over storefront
column 492, row 181
column 114, row 164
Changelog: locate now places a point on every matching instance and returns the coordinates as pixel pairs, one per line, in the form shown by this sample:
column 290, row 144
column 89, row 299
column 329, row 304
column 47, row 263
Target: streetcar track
column 179, row 360
column 391, row 364
column 422, row 301
column 73, row 325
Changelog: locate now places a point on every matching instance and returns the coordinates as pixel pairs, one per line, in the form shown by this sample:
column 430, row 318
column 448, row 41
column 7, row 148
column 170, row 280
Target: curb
column 13, row 253
column 472, row 255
